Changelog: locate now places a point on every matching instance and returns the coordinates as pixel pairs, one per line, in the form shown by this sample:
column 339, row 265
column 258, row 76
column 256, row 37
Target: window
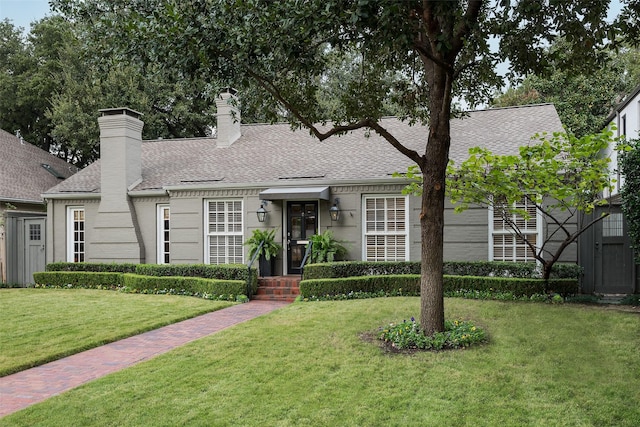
column 75, row 234
column 386, row 228
column 223, row 232
column 504, row 244
column 612, row 225
column 163, row 235
column 35, row 234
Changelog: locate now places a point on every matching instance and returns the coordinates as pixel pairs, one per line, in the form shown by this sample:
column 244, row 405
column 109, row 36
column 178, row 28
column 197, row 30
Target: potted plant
column 263, row 243
column 325, row 248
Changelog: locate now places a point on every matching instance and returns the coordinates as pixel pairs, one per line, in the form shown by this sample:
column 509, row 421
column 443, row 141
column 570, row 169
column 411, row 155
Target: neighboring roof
column 22, row 176
column 274, row 155
column 621, row 106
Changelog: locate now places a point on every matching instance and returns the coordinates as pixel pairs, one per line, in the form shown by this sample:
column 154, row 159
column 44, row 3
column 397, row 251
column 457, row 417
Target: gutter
column 70, row 195
column 11, row 200
column 286, row 183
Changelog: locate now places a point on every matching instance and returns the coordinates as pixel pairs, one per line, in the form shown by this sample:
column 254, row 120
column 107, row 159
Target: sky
column 23, row 12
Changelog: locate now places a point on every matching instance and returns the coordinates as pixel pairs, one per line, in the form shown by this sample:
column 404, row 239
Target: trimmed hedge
column 181, row 285
column 454, row 268
column 78, row 279
column 189, row 285
column 225, row 272
column 409, row 284
column 220, row 272
column 95, row 267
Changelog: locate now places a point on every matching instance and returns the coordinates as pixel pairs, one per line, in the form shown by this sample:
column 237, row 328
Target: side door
column 613, row 255
column 302, row 223
column 34, row 248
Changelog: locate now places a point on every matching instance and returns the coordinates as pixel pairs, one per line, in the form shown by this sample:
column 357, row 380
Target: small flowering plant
column 408, row 335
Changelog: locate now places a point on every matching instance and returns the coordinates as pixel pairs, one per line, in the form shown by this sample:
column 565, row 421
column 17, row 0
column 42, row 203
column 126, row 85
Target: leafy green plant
column 269, row 249
column 410, row 285
column 526, row 270
column 408, row 335
column 630, row 168
column 325, row 248
column 631, row 300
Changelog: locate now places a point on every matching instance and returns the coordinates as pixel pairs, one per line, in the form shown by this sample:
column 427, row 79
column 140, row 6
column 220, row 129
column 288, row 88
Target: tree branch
column 464, row 26
column 363, row 123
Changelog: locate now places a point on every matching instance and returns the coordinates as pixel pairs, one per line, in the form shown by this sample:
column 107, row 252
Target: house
column 605, row 249
column 26, row 172
column 196, row 200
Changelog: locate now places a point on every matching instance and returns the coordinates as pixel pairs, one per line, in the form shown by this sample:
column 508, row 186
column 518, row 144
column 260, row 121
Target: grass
column 307, row 365
column 38, row 325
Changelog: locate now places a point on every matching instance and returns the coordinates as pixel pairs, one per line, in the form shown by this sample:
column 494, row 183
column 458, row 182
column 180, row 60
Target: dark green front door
column 302, row 223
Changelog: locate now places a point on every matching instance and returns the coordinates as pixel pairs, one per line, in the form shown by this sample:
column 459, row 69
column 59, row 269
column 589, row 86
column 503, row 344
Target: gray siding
column 466, row 234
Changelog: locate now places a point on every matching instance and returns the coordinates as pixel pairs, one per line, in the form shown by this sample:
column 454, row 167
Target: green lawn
column 306, row 365
column 40, row 325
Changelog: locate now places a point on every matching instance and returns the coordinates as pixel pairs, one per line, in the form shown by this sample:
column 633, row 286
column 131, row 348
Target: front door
column 302, row 223
column 34, row 249
column 614, row 256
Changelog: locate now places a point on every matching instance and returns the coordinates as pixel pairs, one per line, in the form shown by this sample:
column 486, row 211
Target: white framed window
column 224, row 232
column 164, row 240
column 504, row 244
column 385, row 228
column 75, row 234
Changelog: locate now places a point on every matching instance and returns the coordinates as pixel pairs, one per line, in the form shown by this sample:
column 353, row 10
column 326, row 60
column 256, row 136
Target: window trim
column 492, row 232
column 406, row 233
column 208, row 234
column 160, row 252
column 70, row 234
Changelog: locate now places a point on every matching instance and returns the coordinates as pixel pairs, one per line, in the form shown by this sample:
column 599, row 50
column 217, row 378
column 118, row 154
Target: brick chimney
column 228, row 118
column 120, row 153
column 116, row 235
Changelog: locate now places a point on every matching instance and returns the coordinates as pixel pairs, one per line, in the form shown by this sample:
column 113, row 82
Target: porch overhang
column 295, row 193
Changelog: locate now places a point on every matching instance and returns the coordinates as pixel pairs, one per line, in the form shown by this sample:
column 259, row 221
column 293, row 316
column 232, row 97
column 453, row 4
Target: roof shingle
column 274, row 153
column 22, row 177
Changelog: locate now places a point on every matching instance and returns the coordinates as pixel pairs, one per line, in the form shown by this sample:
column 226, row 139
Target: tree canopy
column 559, row 176
column 583, row 100
column 630, row 169
column 419, row 55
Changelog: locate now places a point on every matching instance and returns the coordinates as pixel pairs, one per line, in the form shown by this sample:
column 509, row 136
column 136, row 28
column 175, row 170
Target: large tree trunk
column 433, row 167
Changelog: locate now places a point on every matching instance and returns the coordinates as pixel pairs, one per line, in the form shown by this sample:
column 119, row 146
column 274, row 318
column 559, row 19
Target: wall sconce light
column 334, row 211
column 262, row 212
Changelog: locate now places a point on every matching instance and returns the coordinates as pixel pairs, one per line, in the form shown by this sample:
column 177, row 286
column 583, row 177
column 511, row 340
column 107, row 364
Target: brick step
column 281, row 290
column 279, row 281
column 278, row 288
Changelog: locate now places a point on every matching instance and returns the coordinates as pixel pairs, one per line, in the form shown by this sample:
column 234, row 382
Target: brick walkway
column 22, row 389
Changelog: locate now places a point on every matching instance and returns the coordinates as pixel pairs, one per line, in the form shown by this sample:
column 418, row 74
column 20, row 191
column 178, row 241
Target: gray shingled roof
column 22, row 177
column 274, row 154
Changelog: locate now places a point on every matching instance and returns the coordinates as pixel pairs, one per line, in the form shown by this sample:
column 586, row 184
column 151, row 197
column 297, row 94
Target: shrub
column 409, row 284
column 207, row 271
column 184, row 285
column 408, row 335
column 78, row 279
column 221, row 272
column 454, row 268
column 226, row 290
column 631, row 300
column 92, row 267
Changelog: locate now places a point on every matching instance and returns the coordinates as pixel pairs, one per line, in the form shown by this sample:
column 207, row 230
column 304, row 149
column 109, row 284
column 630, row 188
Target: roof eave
column 70, row 195
column 14, row 200
column 286, row 183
